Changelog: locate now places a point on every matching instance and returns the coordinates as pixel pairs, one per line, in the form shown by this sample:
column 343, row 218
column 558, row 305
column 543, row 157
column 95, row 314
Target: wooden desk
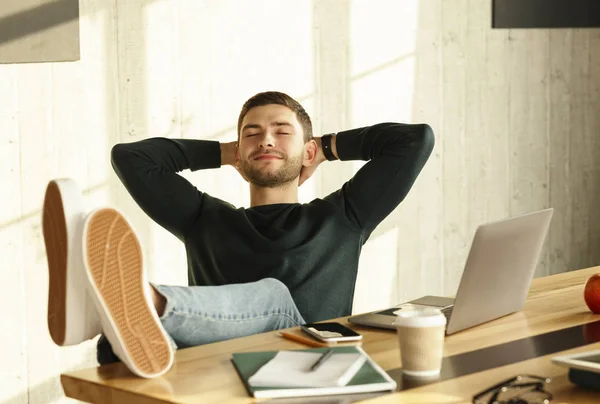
column 205, row 374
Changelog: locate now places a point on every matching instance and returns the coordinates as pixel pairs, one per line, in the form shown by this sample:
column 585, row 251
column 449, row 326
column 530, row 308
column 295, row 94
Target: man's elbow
column 119, row 155
column 423, row 139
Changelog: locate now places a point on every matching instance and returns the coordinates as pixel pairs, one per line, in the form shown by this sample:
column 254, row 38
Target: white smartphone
column 331, row 332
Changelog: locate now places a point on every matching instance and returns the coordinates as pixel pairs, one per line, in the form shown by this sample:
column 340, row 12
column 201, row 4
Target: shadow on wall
column 40, row 18
column 515, row 117
column 37, row 19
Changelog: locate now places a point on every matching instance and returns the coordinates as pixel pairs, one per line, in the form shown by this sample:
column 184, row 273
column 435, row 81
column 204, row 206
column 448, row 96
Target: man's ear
column 310, row 152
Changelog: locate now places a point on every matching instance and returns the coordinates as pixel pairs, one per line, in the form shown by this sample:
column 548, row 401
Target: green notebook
column 368, row 379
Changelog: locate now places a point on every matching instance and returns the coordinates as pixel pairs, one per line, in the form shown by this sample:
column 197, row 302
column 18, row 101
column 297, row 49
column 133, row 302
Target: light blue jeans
column 197, row 315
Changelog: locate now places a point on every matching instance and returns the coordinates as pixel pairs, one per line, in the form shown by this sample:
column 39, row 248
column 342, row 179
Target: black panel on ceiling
column 545, row 13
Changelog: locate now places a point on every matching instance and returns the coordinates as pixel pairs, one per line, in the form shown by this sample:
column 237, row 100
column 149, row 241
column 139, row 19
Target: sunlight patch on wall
column 382, row 76
column 13, row 331
column 271, row 52
column 376, row 284
column 381, row 32
column 162, row 70
column 385, row 95
column 99, row 197
column 100, row 115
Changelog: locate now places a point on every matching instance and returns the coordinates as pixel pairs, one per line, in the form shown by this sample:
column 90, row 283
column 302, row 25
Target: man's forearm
column 396, row 154
column 149, row 170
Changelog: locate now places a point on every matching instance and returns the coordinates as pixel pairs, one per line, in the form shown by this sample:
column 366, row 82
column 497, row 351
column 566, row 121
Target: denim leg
column 197, row 315
column 104, row 352
column 200, row 315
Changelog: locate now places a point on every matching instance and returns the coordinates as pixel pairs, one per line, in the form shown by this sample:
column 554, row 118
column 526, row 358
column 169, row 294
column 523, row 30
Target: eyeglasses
column 522, row 389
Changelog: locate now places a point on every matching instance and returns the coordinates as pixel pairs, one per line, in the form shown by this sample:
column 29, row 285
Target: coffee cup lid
column 422, row 317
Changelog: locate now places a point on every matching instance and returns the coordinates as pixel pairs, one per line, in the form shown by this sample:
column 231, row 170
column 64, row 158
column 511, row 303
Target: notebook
column 278, row 374
column 291, row 369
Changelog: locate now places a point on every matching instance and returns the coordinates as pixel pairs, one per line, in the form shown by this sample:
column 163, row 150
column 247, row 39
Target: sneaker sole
column 114, row 261
column 71, row 317
column 55, row 239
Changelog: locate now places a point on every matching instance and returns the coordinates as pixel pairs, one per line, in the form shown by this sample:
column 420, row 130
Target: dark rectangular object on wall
column 39, row 31
column 545, row 13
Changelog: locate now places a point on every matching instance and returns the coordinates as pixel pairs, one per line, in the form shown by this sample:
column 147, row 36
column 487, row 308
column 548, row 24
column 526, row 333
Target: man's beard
column 288, row 172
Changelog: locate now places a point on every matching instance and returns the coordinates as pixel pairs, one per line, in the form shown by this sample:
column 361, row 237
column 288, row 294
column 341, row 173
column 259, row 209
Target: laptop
column 500, row 266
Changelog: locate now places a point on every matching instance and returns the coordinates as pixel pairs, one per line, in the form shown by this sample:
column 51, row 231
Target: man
column 311, row 248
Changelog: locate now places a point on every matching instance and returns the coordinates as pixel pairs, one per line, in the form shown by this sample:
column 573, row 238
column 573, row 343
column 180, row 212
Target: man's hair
column 275, row 97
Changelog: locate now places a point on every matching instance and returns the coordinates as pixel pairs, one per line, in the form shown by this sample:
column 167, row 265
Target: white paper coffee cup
column 421, row 337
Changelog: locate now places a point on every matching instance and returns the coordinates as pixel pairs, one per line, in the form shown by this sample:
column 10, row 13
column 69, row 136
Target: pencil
column 302, row 340
column 321, row 359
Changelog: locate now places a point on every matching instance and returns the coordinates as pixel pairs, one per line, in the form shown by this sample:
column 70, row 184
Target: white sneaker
column 72, row 317
column 114, row 264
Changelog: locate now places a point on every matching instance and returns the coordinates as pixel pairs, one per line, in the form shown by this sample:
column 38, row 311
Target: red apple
column 591, row 293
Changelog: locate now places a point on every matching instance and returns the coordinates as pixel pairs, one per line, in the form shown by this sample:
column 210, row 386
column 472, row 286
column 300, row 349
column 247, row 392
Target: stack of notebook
column 275, row 374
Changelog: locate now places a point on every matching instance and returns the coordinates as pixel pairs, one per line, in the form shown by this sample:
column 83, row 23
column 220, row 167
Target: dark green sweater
column 313, row 247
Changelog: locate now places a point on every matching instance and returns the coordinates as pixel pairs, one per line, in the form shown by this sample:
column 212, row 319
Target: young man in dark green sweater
column 311, row 248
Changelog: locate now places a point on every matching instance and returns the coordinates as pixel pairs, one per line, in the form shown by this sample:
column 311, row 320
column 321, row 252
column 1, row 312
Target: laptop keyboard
column 447, row 311
column 388, row 312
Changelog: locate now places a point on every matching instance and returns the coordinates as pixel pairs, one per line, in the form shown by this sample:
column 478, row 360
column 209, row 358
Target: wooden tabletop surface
column 205, row 374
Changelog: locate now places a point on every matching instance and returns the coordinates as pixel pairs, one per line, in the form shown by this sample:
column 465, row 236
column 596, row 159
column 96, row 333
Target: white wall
column 515, row 113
